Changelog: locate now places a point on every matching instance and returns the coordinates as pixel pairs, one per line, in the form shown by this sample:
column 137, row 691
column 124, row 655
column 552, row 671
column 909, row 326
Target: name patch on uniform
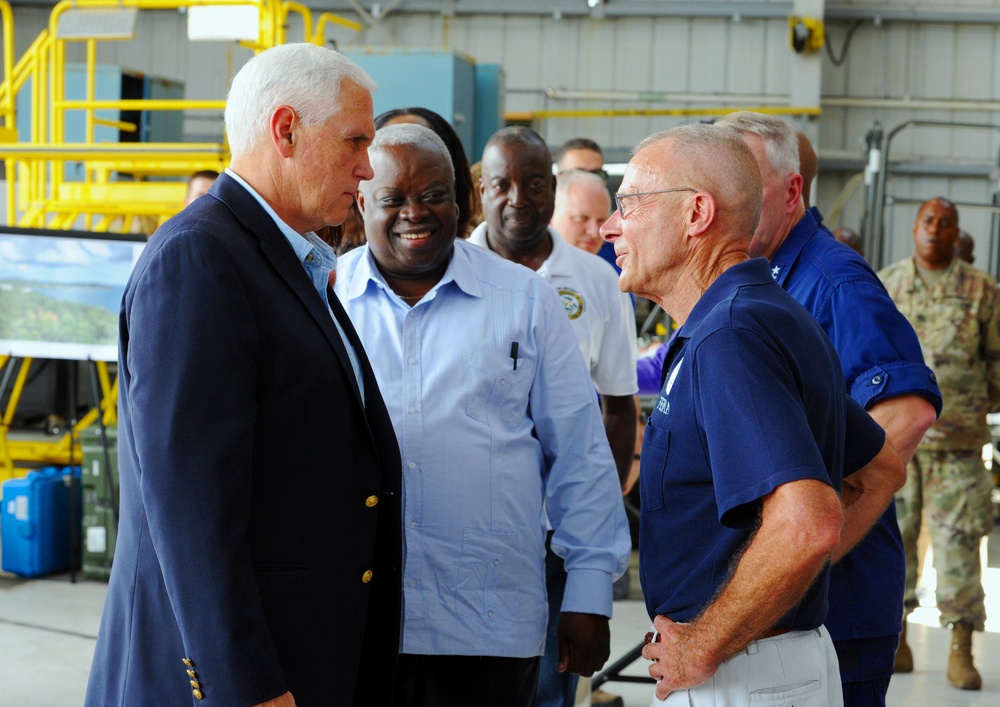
column 573, row 301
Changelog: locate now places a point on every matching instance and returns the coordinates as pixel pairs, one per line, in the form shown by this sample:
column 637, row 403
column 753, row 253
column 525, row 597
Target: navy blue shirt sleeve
column 755, row 425
column 876, row 367
column 864, row 438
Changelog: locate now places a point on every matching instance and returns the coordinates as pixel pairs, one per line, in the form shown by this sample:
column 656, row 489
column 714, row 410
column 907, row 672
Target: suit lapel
column 279, row 253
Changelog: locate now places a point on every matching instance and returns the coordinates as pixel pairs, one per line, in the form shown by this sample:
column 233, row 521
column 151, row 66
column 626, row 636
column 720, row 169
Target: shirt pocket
column 655, row 449
column 496, row 577
column 496, row 391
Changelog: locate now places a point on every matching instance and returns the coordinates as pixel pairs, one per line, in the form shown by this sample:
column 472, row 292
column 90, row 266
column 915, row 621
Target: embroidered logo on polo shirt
column 673, row 376
column 573, row 301
column 663, row 405
column 775, row 271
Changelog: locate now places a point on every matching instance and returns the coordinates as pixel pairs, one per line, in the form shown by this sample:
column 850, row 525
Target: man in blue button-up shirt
column 884, row 371
column 495, row 417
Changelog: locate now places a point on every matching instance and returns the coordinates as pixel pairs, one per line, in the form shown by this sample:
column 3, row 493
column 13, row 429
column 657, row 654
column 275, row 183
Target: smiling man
column 955, row 310
column 743, row 456
column 495, row 416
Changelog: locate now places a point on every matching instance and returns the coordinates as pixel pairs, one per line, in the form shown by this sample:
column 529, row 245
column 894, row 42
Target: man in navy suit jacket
column 259, row 553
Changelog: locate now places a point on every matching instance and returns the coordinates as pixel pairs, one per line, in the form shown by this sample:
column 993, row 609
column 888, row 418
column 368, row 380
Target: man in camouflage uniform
column 955, row 310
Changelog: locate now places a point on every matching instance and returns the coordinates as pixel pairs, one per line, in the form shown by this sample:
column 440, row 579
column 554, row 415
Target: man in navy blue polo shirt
column 744, row 453
column 884, row 371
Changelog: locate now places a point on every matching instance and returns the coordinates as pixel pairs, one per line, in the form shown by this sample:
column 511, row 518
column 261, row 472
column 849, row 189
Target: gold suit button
column 367, row 576
column 197, row 694
column 371, row 501
column 191, row 673
column 195, row 684
column 187, row 662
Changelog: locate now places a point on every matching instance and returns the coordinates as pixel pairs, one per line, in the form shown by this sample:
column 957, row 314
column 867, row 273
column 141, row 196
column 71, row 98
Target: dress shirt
column 487, row 436
column 318, row 259
column 880, row 356
column 601, row 314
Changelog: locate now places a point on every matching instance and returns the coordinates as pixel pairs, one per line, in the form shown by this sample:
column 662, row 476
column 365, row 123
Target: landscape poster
column 61, row 291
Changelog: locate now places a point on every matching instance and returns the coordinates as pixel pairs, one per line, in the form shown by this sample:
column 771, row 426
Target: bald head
column 518, row 193
column 934, row 234
column 715, row 159
column 582, row 206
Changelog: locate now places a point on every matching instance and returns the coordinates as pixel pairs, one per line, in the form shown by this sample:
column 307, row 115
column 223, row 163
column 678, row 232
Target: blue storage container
column 40, row 521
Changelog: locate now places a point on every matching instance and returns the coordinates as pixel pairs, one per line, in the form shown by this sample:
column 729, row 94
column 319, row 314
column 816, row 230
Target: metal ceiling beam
column 877, row 14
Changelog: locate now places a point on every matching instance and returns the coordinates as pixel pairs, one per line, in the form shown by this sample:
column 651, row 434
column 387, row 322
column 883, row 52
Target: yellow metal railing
column 37, row 163
column 40, row 196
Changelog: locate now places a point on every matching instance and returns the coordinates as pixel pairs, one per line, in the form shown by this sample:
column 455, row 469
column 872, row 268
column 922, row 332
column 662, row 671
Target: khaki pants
column 798, row 668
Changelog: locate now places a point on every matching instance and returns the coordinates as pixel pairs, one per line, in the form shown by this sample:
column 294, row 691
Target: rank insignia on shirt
column 775, row 271
column 573, row 301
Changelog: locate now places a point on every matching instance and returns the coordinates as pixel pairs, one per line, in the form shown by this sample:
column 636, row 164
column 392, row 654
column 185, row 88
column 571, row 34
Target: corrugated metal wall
column 721, row 56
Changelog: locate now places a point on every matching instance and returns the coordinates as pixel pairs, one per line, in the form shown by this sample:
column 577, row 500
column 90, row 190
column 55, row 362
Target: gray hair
column 413, row 135
column 564, row 180
column 781, row 140
column 719, row 162
column 306, row 77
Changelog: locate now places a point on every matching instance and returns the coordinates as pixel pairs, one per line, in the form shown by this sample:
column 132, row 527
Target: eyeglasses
column 620, row 197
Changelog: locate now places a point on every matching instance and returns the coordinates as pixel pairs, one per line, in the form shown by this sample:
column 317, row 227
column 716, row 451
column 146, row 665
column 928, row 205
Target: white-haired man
column 259, row 551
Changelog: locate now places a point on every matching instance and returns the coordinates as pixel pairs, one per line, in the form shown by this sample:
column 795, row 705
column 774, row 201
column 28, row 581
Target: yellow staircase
column 39, row 195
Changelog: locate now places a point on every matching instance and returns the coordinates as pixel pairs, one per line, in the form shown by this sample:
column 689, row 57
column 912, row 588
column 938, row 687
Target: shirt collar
column 460, row 271
column 755, row 271
column 302, row 243
column 788, row 252
column 556, row 264
column 559, row 260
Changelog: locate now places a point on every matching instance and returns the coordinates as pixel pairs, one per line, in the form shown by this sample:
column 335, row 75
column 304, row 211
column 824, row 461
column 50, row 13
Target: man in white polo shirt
column 518, row 197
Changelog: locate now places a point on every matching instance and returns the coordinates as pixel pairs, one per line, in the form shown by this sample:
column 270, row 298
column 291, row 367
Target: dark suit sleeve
column 192, row 366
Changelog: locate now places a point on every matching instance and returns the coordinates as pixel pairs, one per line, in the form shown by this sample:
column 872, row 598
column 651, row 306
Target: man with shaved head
column 955, row 309
column 883, row 371
column 744, row 454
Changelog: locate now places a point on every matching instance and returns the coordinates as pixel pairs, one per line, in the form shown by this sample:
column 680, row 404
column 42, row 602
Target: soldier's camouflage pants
column 953, row 488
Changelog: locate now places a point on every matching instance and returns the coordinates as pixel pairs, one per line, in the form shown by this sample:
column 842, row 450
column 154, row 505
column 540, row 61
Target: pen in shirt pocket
column 513, row 353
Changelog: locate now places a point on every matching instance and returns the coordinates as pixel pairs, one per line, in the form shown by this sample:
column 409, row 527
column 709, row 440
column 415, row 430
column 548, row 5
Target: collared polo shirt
column 752, row 398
